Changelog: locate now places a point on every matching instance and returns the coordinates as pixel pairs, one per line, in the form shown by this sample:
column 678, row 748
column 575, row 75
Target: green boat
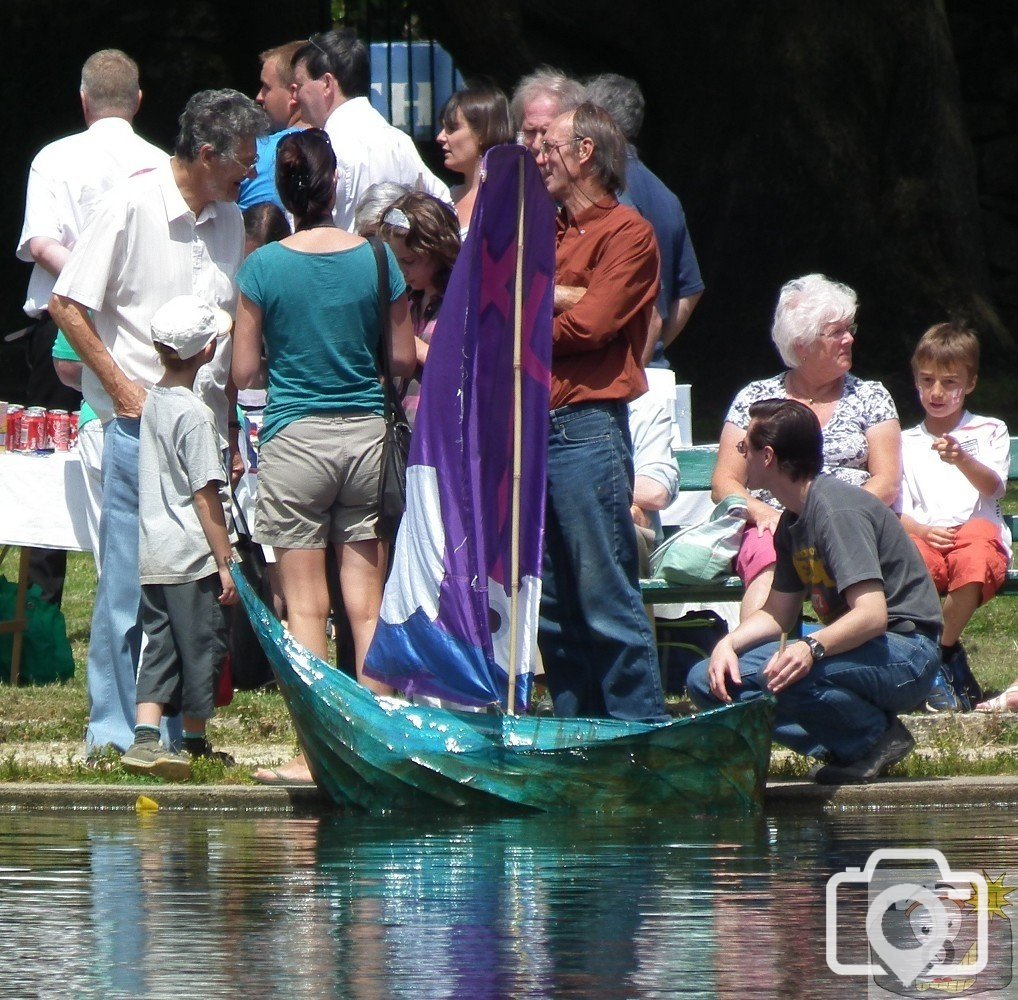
column 381, row 754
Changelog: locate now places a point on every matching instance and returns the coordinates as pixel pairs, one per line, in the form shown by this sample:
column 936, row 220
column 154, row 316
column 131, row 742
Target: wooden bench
column 696, row 466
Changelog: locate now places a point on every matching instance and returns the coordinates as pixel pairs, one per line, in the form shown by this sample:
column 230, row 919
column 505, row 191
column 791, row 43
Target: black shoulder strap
column 382, row 263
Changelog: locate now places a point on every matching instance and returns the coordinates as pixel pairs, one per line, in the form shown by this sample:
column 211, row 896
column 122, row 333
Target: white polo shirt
column 67, row 180
column 368, row 151
column 143, row 247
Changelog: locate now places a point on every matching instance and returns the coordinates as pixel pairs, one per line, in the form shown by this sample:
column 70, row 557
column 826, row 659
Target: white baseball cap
column 188, row 324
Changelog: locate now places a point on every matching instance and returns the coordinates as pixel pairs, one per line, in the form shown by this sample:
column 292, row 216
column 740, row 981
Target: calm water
column 197, row 905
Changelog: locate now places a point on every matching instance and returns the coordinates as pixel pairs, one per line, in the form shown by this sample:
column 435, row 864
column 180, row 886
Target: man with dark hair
column 681, row 284
column 173, row 231
column 67, row 179
column 595, row 639
column 841, row 688
column 333, row 83
column 276, row 98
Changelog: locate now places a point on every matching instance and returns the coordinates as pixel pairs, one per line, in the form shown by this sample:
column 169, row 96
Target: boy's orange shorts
column 978, row 556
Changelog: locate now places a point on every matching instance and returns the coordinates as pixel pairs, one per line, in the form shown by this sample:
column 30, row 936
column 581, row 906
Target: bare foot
column 293, row 771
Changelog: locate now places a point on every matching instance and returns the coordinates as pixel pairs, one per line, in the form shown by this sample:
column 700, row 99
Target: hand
column 567, row 296
column 640, row 516
column 236, row 463
column 229, row 595
column 768, row 522
column 787, row 666
column 940, row 538
column 724, row 666
column 129, row 401
column 949, row 450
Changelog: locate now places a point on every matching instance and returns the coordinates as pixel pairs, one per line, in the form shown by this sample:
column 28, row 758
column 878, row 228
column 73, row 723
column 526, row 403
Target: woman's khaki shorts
column 318, row 482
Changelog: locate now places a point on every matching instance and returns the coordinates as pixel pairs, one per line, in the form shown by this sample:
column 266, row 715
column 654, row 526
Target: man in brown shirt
column 596, row 643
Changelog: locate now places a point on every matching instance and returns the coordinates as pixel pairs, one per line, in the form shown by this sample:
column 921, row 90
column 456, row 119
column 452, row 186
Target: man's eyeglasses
column 545, row 149
column 742, row 448
column 246, row 167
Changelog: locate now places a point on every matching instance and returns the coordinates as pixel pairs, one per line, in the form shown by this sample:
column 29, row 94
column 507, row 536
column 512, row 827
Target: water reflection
column 170, row 905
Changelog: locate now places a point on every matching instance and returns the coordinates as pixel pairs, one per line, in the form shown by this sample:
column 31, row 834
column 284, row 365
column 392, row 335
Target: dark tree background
column 809, row 135
column 876, row 141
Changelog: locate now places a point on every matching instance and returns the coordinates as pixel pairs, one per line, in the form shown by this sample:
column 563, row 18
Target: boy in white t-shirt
column 184, row 545
column 955, row 472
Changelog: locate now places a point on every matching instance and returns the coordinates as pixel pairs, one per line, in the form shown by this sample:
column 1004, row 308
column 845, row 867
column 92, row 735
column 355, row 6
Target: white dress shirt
column 143, row 247
column 368, row 151
column 65, row 184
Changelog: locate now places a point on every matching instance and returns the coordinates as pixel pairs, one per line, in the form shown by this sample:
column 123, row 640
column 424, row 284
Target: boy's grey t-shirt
column 843, row 536
column 178, row 454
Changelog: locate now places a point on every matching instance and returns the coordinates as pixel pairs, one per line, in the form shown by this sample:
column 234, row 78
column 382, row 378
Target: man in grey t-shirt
column 839, row 690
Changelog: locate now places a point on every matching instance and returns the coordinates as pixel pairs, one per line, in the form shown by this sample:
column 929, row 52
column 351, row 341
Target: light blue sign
column 412, row 96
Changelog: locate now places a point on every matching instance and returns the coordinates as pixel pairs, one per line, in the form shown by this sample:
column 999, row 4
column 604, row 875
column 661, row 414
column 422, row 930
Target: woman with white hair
column 814, row 331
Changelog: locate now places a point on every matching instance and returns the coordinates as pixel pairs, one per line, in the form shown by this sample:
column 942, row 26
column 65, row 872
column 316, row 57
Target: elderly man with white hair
column 176, row 230
column 814, row 332
column 540, row 97
column 595, row 640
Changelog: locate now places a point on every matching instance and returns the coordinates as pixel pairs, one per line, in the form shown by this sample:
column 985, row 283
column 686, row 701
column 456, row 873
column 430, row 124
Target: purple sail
column 445, row 620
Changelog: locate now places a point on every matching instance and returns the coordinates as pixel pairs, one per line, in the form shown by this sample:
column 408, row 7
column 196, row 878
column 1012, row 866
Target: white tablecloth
column 42, row 501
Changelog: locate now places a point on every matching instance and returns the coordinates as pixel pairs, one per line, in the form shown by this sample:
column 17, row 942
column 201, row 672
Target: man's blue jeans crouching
column 846, row 702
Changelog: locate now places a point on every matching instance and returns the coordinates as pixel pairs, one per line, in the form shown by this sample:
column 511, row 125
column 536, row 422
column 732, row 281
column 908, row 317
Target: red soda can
column 3, row 425
column 33, row 429
column 58, row 429
column 72, row 432
column 15, row 414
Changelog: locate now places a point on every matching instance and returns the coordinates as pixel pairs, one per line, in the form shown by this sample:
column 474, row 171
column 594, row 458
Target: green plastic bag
column 45, row 652
column 704, row 552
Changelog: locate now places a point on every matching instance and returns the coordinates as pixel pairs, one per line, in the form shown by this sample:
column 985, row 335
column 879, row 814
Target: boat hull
column 381, row 754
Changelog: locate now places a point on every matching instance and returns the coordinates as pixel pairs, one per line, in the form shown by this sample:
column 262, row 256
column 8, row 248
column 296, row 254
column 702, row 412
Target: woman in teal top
column 312, row 302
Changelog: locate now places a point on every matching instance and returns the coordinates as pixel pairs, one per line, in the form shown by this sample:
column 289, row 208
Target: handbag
column 703, row 553
column 396, row 444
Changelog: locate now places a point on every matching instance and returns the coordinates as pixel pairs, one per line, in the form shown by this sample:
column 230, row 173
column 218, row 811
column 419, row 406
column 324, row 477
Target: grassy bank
column 41, row 729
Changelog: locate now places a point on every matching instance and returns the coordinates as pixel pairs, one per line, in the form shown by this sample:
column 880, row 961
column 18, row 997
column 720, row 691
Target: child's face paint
column 942, row 390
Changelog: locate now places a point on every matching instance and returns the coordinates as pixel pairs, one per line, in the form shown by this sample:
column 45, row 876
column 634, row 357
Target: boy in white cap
column 184, row 544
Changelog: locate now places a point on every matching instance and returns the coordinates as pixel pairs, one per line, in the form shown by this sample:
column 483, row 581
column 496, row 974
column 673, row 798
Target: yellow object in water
column 146, row 805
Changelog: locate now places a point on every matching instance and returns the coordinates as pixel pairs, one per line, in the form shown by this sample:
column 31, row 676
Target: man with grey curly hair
column 681, row 283
column 539, row 98
column 175, row 230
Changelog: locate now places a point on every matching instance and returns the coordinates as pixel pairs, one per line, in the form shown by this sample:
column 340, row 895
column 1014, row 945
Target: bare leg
column 959, row 606
column 361, row 577
column 149, row 714
column 756, row 593
column 301, row 574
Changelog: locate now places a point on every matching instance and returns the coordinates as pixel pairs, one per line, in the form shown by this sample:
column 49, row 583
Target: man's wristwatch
column 816, row 647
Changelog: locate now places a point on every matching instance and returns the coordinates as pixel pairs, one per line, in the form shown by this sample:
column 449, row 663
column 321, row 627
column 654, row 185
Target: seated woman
column 473, row 121
column 422, row 233
column 313, row 301
column 814, row 332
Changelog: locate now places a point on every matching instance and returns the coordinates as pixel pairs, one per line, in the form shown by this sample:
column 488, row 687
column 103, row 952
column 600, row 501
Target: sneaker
column 154, row 759
column 942, row 698
column 962, row 679
column 894, row 746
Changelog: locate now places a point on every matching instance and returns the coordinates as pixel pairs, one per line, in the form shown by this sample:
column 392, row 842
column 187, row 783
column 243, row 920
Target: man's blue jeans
column 115, row 642
column 846, row 702
column 595, row 639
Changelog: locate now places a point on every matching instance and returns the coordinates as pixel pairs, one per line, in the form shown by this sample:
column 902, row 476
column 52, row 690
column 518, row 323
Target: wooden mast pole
column 514, row 588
